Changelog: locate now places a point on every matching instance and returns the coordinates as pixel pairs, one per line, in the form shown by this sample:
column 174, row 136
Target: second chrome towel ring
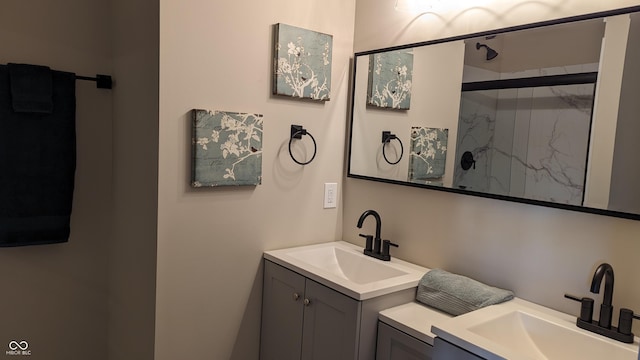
column 387, row 136
column 296, row 133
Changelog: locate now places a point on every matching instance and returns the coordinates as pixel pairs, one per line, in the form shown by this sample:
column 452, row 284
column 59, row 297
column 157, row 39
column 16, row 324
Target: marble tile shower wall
column 528, row 142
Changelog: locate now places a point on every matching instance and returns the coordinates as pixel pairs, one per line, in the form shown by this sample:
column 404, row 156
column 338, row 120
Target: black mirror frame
column 559, row 21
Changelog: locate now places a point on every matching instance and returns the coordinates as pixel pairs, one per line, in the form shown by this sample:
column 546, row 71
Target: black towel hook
column 387, row 136
column 296, row 133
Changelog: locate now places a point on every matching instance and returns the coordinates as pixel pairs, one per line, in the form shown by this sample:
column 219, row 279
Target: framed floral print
column 428, row 155
column 302, row 63
column 227, row 148
column 390, row 80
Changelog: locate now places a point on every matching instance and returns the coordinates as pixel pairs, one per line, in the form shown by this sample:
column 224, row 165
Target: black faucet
column 374, row 247
column 376, row 244
column 603, row 325
column 606, row 309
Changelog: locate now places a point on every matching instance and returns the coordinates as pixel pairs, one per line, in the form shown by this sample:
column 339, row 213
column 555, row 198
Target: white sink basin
column 347, row 264
column 521, row 330
column 343, row 267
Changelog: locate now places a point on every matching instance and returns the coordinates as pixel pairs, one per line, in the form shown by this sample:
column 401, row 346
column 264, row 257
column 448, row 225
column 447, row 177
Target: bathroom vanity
column 519, row 329
column 322, row 301
column 330, row 301
column 393, row 344
column 515, row 330
column 404, row 332
column 302, row 317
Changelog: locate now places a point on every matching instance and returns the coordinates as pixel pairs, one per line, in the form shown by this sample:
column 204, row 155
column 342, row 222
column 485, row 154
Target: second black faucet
column 603, row 325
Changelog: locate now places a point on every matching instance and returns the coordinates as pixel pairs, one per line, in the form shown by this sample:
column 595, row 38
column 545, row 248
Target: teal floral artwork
column 302, row 65
column 227, row 148
column 390, row 79
column 428, row 154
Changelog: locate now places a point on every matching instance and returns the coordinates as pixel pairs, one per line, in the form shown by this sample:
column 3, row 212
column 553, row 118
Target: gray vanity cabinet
column 282, row 313
column 330, row 327
column 302, row 319
column 443, row 350
column 394, row 344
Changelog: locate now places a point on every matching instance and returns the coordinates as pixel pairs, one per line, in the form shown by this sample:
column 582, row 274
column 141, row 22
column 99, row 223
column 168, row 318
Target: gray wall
column 132, row 252
column 54, row 296
column 94, row 296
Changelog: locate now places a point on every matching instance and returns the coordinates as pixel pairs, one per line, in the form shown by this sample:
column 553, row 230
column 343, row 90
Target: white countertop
column 425, row 323
column 359, row 291
column 494, row 332
column 414, row 319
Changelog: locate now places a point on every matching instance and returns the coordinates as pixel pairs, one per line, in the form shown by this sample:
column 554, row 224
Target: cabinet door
column 282, row 313
column 331, row 321
column 443, row 350
column 396, row 345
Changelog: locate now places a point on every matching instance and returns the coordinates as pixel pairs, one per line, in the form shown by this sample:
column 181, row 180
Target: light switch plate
column 330, row 195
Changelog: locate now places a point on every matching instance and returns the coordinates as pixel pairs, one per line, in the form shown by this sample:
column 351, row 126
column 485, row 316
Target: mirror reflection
column 544, row 115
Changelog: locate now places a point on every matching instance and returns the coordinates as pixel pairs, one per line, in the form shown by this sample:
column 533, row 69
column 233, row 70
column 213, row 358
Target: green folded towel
column 457, row 294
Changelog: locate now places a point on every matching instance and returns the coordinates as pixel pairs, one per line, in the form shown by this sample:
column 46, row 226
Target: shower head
column 491, row 54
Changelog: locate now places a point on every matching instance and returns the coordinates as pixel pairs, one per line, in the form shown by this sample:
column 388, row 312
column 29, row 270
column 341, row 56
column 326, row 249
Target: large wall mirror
column 547, row 113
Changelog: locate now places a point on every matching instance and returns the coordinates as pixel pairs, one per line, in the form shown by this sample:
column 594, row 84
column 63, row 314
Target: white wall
column 541, row 253
column 624, row 194
column 378, row 25
column 605, row 112
column 55, row 296
column 217, row 56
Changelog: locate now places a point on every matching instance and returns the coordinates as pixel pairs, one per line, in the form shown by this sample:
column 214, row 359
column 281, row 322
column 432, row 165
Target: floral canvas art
column 390, row 77
column 302, row 64
column 428, row 155
column 227, row 148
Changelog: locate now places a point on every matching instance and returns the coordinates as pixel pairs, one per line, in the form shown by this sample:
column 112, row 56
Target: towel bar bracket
column 102, row 81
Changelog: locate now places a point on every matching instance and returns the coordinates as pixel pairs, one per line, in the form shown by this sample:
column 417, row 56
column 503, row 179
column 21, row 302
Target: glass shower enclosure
column 526, row 136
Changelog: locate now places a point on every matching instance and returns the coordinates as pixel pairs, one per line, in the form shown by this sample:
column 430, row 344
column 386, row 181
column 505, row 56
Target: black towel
column 31, row 88
column 37, row 165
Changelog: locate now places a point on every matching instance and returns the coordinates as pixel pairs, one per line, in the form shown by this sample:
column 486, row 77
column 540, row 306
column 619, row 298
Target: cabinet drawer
column 393, row 344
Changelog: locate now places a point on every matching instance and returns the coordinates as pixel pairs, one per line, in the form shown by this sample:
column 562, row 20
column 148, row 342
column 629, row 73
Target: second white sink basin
column 521, row 330
column 343, row 267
